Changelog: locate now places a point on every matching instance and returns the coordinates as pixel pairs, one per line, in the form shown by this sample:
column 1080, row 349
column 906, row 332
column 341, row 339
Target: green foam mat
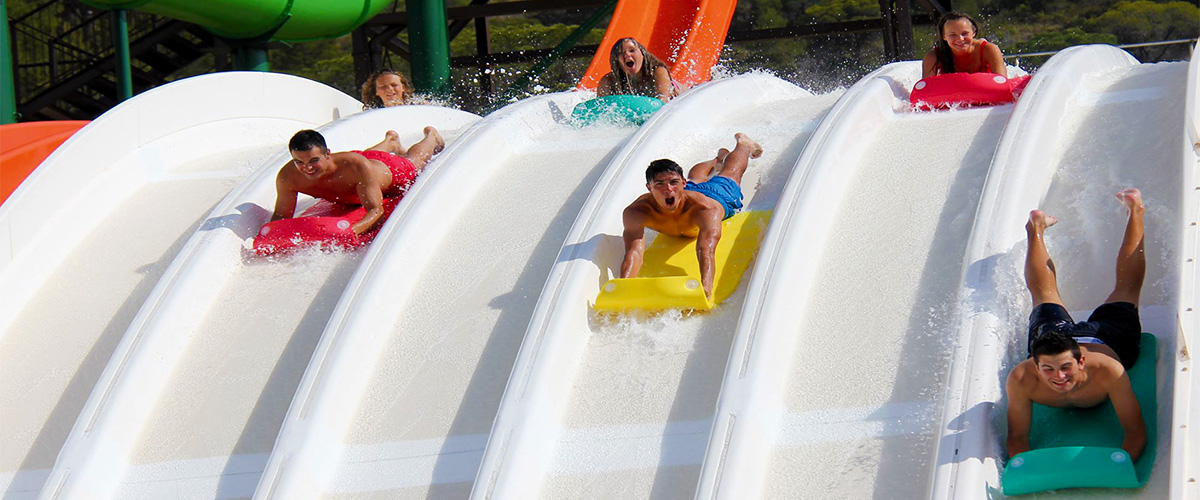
column 1081, row 447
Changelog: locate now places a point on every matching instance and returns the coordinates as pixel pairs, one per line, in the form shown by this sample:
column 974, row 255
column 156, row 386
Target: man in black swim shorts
column 1080, row 365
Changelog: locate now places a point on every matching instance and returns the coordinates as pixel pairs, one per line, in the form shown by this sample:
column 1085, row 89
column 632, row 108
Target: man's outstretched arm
column 635, row 242
column 706, row 247
column 1020, row 410
column 370, row 194
column 1129, row 412
column 285, row 198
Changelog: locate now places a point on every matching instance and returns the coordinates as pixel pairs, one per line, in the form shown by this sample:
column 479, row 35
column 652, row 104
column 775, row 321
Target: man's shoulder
column 1023, row 374
column 1104, row 368
column 639, row 207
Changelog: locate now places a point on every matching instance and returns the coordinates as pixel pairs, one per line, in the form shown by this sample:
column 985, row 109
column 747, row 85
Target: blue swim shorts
column 722, row 189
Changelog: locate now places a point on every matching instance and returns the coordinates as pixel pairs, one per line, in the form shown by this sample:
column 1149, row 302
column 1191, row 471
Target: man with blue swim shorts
column 1080, row 365
column 693, row 207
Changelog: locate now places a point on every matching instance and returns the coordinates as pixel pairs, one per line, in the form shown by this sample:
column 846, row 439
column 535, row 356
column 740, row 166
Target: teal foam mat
column 1081, row 447
column 616, row 109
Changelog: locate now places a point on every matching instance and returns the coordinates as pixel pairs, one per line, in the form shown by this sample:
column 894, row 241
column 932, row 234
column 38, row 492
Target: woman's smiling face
column 959, row 35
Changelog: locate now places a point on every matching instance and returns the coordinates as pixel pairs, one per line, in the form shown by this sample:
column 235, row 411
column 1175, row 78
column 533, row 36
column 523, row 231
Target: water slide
column 837, row 357
column 861, row 369
column 285, row 20
column 400, row 398
column 219, row 345
column 85, row 237
column 382, row 374
column 26, row 145
column 1095, row 122
column 686, row 34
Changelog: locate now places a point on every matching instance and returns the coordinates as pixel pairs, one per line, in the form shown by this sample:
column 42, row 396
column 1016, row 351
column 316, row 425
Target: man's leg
column 703, row 171
column 1040, row 276
column 391, row 144
column 739, row 159
column 420, row 153
column 1131, row 258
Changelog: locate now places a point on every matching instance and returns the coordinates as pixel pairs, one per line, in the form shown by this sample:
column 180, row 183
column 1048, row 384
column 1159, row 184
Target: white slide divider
column 311, row 440
column 1018, row 181
column 95, row 455
column 87, row 177
column 1185, row 445
column 521, row 445
column 750, row 406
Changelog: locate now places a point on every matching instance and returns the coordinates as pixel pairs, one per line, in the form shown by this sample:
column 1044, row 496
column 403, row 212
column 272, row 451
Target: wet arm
column 995, row 59
column 1020, row 410
column 1129, row 412
column 635, row 243
column 605, row 86
column 929, row 64
column 662, row 84
column 370, row 194
column 285, row 198
column 706, row 248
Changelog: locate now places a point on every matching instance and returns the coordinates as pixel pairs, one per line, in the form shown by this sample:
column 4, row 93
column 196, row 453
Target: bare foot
column 437, row 136
column 1039, row 221
column 1131, row 198
column 756, row 149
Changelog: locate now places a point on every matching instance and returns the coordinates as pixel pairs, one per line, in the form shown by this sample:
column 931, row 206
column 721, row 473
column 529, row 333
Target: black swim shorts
column 1115, row 324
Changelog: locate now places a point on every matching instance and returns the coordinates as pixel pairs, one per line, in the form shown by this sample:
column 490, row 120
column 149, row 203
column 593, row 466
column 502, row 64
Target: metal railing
column 1190, row 41
column 60, row 39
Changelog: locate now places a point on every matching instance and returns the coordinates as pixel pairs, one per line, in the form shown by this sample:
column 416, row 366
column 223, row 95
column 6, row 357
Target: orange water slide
column 685, row 34
column 23, row 146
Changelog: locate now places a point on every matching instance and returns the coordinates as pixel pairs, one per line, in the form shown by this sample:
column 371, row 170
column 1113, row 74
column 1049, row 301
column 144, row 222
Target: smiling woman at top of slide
column 635, row 71
column 958, row 51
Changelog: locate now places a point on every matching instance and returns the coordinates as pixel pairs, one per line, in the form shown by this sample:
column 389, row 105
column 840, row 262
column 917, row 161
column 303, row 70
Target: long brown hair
column 621, row 82
column 945, row 57
column 370, row 98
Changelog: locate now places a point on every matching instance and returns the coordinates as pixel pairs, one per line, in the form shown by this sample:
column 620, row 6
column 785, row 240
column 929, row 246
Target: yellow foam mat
column 670, row 274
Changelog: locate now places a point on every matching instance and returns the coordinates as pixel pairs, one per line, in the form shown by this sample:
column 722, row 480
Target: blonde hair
column 370, row 98
column 620, row 81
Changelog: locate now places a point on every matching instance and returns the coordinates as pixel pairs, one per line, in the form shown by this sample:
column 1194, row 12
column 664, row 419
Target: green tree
column 1060, row 39
column 1146, row 21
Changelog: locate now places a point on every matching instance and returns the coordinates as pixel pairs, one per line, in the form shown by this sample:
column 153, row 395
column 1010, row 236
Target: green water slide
column 251, row 23
column 283, row 20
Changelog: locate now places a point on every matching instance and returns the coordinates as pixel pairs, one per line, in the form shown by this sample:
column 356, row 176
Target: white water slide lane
column 402, row 390
column 839, row 360
column 192, row 401
column 1094, row 123
column 145, row 172
column 621, row 406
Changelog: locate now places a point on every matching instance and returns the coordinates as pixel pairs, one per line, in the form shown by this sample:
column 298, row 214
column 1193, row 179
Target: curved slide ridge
column 750, row 405
column 1092, row 122
column 404, row 385
column 686, row 34
column 252, row 321
column 838, row 361
column 1185, row 448
column 621, row 404
column 286, row 20
column 146, row 171
column 26, row 145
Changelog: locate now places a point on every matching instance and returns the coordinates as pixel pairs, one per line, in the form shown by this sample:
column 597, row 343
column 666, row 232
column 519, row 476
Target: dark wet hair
column 304, row 140
column 1053, row 343
column 370, row 98
column 621, row 83
column 945, row 58
column 659, row 166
